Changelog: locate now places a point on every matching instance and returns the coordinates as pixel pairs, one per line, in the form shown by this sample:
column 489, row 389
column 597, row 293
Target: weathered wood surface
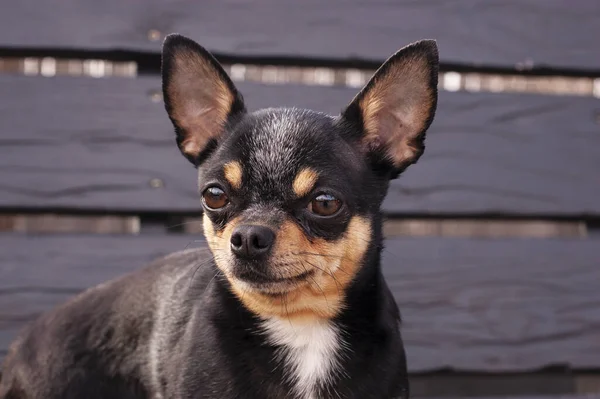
column 504, row 33
column 116, row 224
column 531, row 396
column 496, row 385
column 497, row 305
column 38, row 273
column 105, row 144
column 488, row 305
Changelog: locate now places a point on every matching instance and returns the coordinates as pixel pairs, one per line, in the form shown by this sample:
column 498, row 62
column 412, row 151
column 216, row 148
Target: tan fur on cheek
column 219, row 242
column 233, row 174
column 334, row 266
column 305, row 181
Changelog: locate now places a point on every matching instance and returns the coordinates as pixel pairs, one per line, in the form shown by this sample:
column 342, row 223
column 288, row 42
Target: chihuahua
column 289, row 300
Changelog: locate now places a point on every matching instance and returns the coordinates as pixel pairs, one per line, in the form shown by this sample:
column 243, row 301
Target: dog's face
column 290, row 196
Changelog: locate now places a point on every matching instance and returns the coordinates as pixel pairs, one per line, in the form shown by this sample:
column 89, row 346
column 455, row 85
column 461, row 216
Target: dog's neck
column 312, row 352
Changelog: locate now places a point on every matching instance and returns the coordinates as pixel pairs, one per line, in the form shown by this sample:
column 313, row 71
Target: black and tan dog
column 290, row 302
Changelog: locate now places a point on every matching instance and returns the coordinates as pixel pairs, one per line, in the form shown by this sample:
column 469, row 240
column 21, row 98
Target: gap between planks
column 475, row 228
column 405, row 227
column 314, row 76
column 50, row 223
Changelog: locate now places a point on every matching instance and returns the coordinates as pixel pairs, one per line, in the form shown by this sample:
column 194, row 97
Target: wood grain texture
column 90, row 144
column 37, row 273
column 505, row 305
column 477, row 32
column 497, row 305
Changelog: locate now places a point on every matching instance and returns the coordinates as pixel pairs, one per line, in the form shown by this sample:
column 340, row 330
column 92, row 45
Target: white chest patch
column 309, row 351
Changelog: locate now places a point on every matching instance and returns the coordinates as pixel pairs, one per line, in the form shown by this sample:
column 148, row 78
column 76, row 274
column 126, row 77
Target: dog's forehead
column 278, row 143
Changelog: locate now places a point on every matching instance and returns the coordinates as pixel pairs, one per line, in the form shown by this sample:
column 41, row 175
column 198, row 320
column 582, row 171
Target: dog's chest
column 308, row 351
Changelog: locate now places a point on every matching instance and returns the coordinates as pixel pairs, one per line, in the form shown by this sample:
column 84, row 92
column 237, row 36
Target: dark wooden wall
column 487, row 153
column 493, row 33
column 492, row 246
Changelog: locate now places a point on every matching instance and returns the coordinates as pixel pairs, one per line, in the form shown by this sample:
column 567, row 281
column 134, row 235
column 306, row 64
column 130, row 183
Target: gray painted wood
column 495, row 385
column 487, row 305
column 532, row 396
column 497, row 305
column 93, row 144
column 502, row 33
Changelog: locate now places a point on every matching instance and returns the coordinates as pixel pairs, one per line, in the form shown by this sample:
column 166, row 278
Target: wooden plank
column 7, row 223
column 50, row 223
column 497, row 305
column 37, row 273
column 91, row 144
column 476, row 81
column 479, row 228
column 497, row 385
column 506, row 33
column 589, row 383
column 536, row 395
column 395, row 227
column 468, row 305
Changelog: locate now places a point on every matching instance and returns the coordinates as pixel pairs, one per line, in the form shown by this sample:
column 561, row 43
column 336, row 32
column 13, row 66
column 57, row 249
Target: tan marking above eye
column 305, row 181
column 233, row 174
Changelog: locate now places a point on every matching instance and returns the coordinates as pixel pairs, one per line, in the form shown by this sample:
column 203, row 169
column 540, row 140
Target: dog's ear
column 199, row 96
column 396, row 107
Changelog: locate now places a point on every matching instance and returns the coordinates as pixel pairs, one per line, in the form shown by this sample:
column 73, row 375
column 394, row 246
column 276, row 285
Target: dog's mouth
column 272, row 285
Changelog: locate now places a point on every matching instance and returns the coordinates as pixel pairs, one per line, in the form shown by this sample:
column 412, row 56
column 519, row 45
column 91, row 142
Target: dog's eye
column 214, row 198
column 324, row 205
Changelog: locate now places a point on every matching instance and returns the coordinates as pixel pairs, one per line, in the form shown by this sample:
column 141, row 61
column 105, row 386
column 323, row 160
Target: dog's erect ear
column 397, row 105
column 199, row 96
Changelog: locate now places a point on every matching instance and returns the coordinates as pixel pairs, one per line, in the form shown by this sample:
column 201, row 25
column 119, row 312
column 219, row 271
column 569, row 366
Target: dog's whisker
column 189, row 222
column 338, row 285
column 346, row 258
column 317, row 284
column 326, row 271
column 196, row 268
column 211, row 280
column 192, row 242
column 317, row 254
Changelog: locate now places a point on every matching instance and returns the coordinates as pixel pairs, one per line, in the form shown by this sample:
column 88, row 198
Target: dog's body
column 290, row 301
column 153, row 335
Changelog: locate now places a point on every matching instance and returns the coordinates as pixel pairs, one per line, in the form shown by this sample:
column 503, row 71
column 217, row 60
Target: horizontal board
column 505, row 33
column 107, row 144
column 497, row 305
column 106, row 224
column 536, row 395
column 434, row 227
column 488, row 305
column 494, row 385
column 532, row 396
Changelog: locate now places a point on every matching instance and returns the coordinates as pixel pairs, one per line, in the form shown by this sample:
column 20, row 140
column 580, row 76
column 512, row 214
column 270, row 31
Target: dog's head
column 291, row 197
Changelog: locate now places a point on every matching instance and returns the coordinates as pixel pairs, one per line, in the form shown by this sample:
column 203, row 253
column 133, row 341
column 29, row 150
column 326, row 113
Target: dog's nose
column 252, row 241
